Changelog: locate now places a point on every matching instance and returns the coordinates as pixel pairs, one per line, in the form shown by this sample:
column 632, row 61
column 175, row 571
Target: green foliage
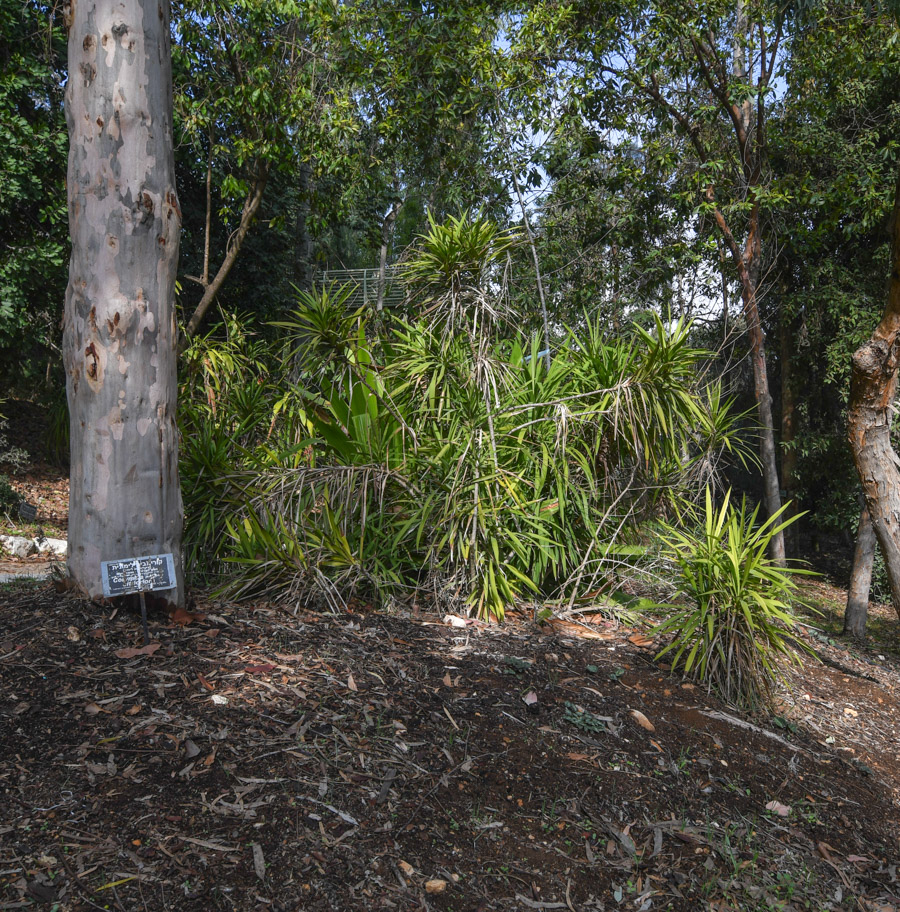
column 441, row 455
column 736, row 631
column 9, row 499
column 33, row 219
column 225, row 414
column 56, row 441
column 584, row 720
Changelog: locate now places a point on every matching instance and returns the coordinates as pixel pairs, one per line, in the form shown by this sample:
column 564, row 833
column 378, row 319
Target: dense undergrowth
column 432, row 453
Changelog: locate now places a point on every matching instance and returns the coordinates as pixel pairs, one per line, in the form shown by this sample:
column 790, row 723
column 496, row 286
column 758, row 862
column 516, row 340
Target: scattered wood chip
column 435, row 886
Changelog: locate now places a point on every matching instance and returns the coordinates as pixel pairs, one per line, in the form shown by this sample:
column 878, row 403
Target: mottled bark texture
column 860, row 578
column 873, row 388
column 119, row 338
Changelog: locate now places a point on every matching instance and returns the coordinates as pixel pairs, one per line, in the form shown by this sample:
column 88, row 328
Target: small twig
column 86, row 894
column 536, row 904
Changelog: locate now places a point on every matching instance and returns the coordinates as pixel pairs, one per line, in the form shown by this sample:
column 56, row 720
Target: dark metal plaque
column 138, row 574
column 27, row 511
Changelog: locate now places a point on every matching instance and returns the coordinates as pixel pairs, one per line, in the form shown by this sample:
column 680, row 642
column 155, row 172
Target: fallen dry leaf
column 453, row 621
column 642, row 720
column 132, row 651
column 351, row 684
column 577, row 630
column 182, row 618
column 782, row 810
column 826, row 851
column 259, row 861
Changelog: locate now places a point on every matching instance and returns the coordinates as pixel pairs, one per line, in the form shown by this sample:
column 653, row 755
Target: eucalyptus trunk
column 873, row 388
column 119, row 338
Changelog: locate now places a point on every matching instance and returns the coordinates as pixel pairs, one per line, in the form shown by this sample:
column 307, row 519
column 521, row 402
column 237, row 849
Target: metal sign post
column 138, row 574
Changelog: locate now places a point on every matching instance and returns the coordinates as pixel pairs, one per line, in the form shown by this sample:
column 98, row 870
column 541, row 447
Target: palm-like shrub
column 735, row 632
column 225, row 417
column 442, row 454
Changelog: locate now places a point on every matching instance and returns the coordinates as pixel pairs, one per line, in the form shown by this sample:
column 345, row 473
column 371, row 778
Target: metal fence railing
column 364, row 285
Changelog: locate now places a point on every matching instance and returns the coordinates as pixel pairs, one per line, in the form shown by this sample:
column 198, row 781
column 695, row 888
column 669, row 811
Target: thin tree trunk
column 747, row 265
column 251, row 207
column 873, row 388
column 119, row 337
column 302, row 265
column 387, row 229
column 537, row 267
column 207, row 230
column 752, row 151
column 749, row 270
column 788, row 431
column 860, row 577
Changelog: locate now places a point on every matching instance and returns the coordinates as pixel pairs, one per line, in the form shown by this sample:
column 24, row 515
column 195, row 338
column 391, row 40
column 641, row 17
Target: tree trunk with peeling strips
column 119, row 343
column 873, row 389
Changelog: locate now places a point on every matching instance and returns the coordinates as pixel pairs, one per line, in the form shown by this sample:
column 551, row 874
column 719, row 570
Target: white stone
column 18, row 546
column 52, row 546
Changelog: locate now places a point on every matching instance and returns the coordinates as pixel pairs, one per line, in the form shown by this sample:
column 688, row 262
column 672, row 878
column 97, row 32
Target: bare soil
column 257, row 760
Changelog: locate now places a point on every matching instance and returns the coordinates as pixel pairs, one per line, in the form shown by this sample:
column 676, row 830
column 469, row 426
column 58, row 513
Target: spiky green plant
column 737, row 629
column 441, row 454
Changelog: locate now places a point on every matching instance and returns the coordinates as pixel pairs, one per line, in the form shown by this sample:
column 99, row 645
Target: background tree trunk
column 860, row 577
column 873, row 388
column 788, row 435
column 387, row 230
column 119, row 336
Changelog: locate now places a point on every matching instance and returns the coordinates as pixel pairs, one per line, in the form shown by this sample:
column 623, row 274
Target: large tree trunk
column 873, row 388
column 860, row 578
column 119, row 337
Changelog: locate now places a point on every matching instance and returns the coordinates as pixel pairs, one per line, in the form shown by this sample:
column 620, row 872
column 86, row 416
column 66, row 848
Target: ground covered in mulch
column 250, row 759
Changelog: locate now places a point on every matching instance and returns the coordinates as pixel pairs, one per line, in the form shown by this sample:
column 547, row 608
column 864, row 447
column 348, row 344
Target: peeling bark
column 873, row 389
column 119, row 336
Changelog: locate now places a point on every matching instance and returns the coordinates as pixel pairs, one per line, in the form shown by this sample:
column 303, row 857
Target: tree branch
column 251, row 207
